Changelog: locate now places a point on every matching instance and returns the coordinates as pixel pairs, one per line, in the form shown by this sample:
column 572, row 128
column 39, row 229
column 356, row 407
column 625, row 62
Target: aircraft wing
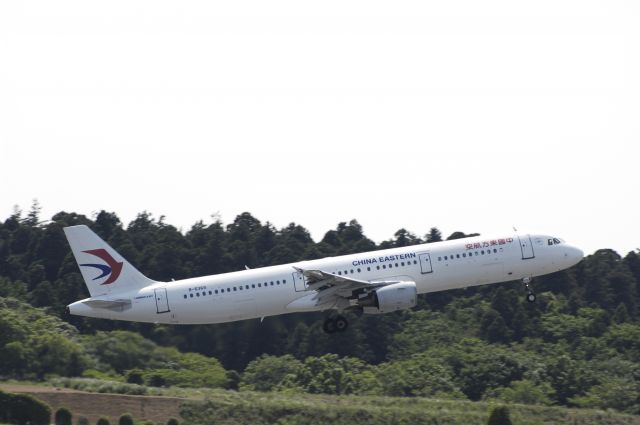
column 328, row 285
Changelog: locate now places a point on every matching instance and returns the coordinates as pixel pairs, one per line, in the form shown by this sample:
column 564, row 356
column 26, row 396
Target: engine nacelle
column 398, row 296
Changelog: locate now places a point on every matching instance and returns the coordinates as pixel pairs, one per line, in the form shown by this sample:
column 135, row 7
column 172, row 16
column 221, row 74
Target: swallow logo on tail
column 111, row 269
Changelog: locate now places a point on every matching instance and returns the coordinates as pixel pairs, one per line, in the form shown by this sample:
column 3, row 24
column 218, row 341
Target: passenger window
column 415, row 262
column 235, row 289
column 384, row 266
column 457, row 255
column 390, row 265
column 185, row 296
column 351, row 271
column 339, row 273
column 197, row 294
column 210, row 293
column 191, row 295
column 445, row 257
column 368, row 269
column 271, row 283
column 241, row 287
column 253, row 285
column 464, row 254
column 377, row 267
column 495, row 251
column 359, row 270
column 216, row 291
column 284, row 281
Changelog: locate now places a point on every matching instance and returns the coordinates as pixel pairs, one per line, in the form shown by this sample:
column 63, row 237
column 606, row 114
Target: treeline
column 579, row 344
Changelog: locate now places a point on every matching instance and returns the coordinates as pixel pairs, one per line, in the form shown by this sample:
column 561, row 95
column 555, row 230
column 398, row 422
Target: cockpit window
column 553, row 241
column 556, row 241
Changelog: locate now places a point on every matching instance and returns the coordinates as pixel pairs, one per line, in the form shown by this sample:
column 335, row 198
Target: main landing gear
column 335, row 324
column 531, row 296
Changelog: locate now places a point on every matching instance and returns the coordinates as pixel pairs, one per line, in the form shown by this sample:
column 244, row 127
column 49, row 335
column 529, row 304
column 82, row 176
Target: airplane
column 374, row 282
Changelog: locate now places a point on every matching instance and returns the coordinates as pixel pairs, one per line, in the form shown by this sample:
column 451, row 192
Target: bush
column 156, row 380
column 63, row 416
column 499, row 416
column 99, row 386
column 103, row 421
column 82, row 420
column 23, row 409
column 125, row 419
column 173, row 421
column 134, row 376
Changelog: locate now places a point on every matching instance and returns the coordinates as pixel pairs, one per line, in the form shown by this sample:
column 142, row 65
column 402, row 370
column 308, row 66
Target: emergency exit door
column 162, row 303
column 526, row 247
column 299, row 282
column 425, row 263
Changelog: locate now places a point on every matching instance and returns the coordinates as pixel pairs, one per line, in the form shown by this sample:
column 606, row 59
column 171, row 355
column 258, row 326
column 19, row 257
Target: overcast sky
column 465, row 115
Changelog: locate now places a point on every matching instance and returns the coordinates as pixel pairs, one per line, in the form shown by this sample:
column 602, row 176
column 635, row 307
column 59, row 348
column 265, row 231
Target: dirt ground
column 95, row 405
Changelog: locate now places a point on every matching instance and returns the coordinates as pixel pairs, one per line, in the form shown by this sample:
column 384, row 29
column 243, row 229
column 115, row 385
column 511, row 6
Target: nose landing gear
column 531, row 296
column 335, row 324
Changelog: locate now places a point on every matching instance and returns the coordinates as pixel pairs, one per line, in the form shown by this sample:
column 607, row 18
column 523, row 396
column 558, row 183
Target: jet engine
column 398, row 296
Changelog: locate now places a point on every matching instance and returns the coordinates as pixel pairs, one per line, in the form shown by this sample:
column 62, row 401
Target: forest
column 578, row 345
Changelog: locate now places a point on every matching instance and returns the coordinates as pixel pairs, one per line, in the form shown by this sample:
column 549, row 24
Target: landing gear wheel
column 341, row 324
column 329, row 326
column 531, row 297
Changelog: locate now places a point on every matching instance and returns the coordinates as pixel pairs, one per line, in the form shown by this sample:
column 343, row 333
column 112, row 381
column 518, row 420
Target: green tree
column 615, row 393
column 434, row 235
column 421, row 375
column 526, row 392
column 268, row 373
column 122, row 350
column 621, row 315
column 494, row 328
column 103, row 421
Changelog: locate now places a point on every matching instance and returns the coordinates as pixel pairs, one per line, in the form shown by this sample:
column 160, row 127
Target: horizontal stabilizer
column 120, row 304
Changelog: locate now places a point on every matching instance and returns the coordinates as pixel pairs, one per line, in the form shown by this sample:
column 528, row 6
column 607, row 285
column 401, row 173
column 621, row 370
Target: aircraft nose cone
column 573, row 254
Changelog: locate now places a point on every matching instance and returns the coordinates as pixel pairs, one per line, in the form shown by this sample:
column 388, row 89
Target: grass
column 219, row 406
column 229, row 407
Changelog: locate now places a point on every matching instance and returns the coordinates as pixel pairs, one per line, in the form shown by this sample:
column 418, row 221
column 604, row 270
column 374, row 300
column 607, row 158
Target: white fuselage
column 273, row 290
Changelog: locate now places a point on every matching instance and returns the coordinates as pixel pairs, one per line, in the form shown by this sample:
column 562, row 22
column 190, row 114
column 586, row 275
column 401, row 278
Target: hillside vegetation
column 578, row 345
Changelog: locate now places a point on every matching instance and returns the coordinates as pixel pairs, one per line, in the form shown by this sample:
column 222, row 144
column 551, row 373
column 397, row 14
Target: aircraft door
column 526, row 247
column 299, row 282
column 425, row 263
column 162, row 303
